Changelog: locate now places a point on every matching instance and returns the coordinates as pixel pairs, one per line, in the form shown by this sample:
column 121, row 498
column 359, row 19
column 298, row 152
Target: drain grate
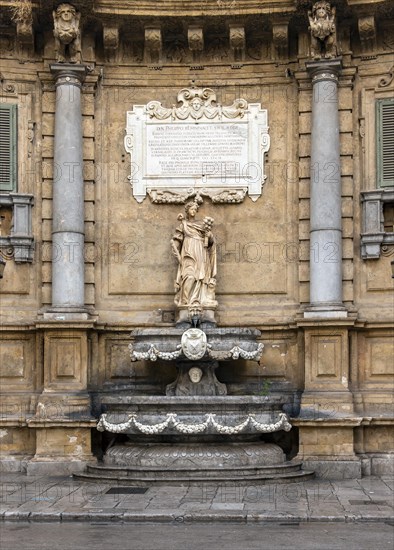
column 126, row 490
column 369, row 502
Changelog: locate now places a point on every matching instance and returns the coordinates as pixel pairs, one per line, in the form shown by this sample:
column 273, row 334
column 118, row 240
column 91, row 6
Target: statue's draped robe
column 198, row 262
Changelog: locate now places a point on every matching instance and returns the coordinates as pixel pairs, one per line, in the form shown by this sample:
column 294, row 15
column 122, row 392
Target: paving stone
column 53, row 499
column 227, row 506
column 45, row 516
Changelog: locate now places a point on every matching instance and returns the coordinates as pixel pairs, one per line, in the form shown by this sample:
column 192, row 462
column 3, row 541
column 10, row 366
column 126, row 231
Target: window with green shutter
column 8, row 147
column 385, row 142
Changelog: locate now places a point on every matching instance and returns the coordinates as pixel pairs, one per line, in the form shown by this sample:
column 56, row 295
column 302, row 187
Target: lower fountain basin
column 195, row 415
column 201, row 456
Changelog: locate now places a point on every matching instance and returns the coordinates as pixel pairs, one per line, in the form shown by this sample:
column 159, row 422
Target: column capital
column 69, row 73
column 324, row 69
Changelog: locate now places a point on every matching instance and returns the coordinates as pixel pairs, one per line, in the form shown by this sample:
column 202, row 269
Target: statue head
column 66, row 12
column 321, row 10
column 191, row 209
column 195, row 375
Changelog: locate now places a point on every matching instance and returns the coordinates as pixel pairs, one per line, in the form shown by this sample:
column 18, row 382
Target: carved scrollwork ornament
column 387, row 80
column 197, row 103
column 387, row 250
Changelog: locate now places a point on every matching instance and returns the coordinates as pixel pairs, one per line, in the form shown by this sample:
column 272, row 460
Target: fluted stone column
column 68, row 192
column 325, row 189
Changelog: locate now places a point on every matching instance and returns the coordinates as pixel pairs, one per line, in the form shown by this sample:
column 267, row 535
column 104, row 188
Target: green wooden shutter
column 385, row 142
column 8, row 147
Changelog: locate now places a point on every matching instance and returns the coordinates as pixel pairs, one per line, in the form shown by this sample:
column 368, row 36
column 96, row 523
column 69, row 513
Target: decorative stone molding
column 373, row 236
column 195, row 38
column 249, row 425
column 280, row 36
column 237, row 353
column 153, row 354
column 31, row 128
column 219, row 196
column 22, row 15
column 238, row 41
column 153, row 43
column 20, row 239
column 111, row 38
column 234, row 353
column 367, row 32
column 24, row 33
column 209, row 149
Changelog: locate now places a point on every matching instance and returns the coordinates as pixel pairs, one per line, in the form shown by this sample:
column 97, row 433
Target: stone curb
column 14, row 515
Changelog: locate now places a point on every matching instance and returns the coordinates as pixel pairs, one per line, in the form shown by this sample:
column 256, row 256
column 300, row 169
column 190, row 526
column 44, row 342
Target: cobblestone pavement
column 63, row 498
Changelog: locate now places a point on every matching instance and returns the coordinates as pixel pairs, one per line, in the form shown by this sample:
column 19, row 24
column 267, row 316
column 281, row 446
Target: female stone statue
column 194, row 246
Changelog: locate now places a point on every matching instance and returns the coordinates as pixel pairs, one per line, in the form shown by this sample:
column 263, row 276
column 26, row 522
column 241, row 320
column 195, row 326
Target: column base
column 70, row 313
column 325, row 312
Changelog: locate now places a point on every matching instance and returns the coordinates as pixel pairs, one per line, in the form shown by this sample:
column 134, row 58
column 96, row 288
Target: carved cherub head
column 196, row 103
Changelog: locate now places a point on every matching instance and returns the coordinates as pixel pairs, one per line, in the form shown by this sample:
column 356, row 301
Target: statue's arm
column 176, row 246
column 332, row 19
column 55, row 24
column 76, row 22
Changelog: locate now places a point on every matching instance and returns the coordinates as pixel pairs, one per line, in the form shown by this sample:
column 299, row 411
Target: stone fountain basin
column 229, row 412
column 221, row 339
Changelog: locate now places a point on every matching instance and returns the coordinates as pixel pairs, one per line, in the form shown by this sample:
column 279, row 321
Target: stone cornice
column 184, row 8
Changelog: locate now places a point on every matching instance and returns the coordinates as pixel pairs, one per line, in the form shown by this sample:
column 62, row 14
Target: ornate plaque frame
column 197, row 148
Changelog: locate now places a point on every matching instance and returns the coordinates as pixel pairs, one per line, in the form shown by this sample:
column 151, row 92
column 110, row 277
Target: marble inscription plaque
column 197, row 147
column 176, row 150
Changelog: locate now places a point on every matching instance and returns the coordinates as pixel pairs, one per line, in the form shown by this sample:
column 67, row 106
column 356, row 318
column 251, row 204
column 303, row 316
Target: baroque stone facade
column 307, row 262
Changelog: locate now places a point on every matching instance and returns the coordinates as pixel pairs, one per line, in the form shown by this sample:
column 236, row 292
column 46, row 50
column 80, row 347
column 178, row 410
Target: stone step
column 246, row 471
column 286, row 473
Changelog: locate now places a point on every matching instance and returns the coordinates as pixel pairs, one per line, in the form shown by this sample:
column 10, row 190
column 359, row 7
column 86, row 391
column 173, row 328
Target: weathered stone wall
column 263, row 246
